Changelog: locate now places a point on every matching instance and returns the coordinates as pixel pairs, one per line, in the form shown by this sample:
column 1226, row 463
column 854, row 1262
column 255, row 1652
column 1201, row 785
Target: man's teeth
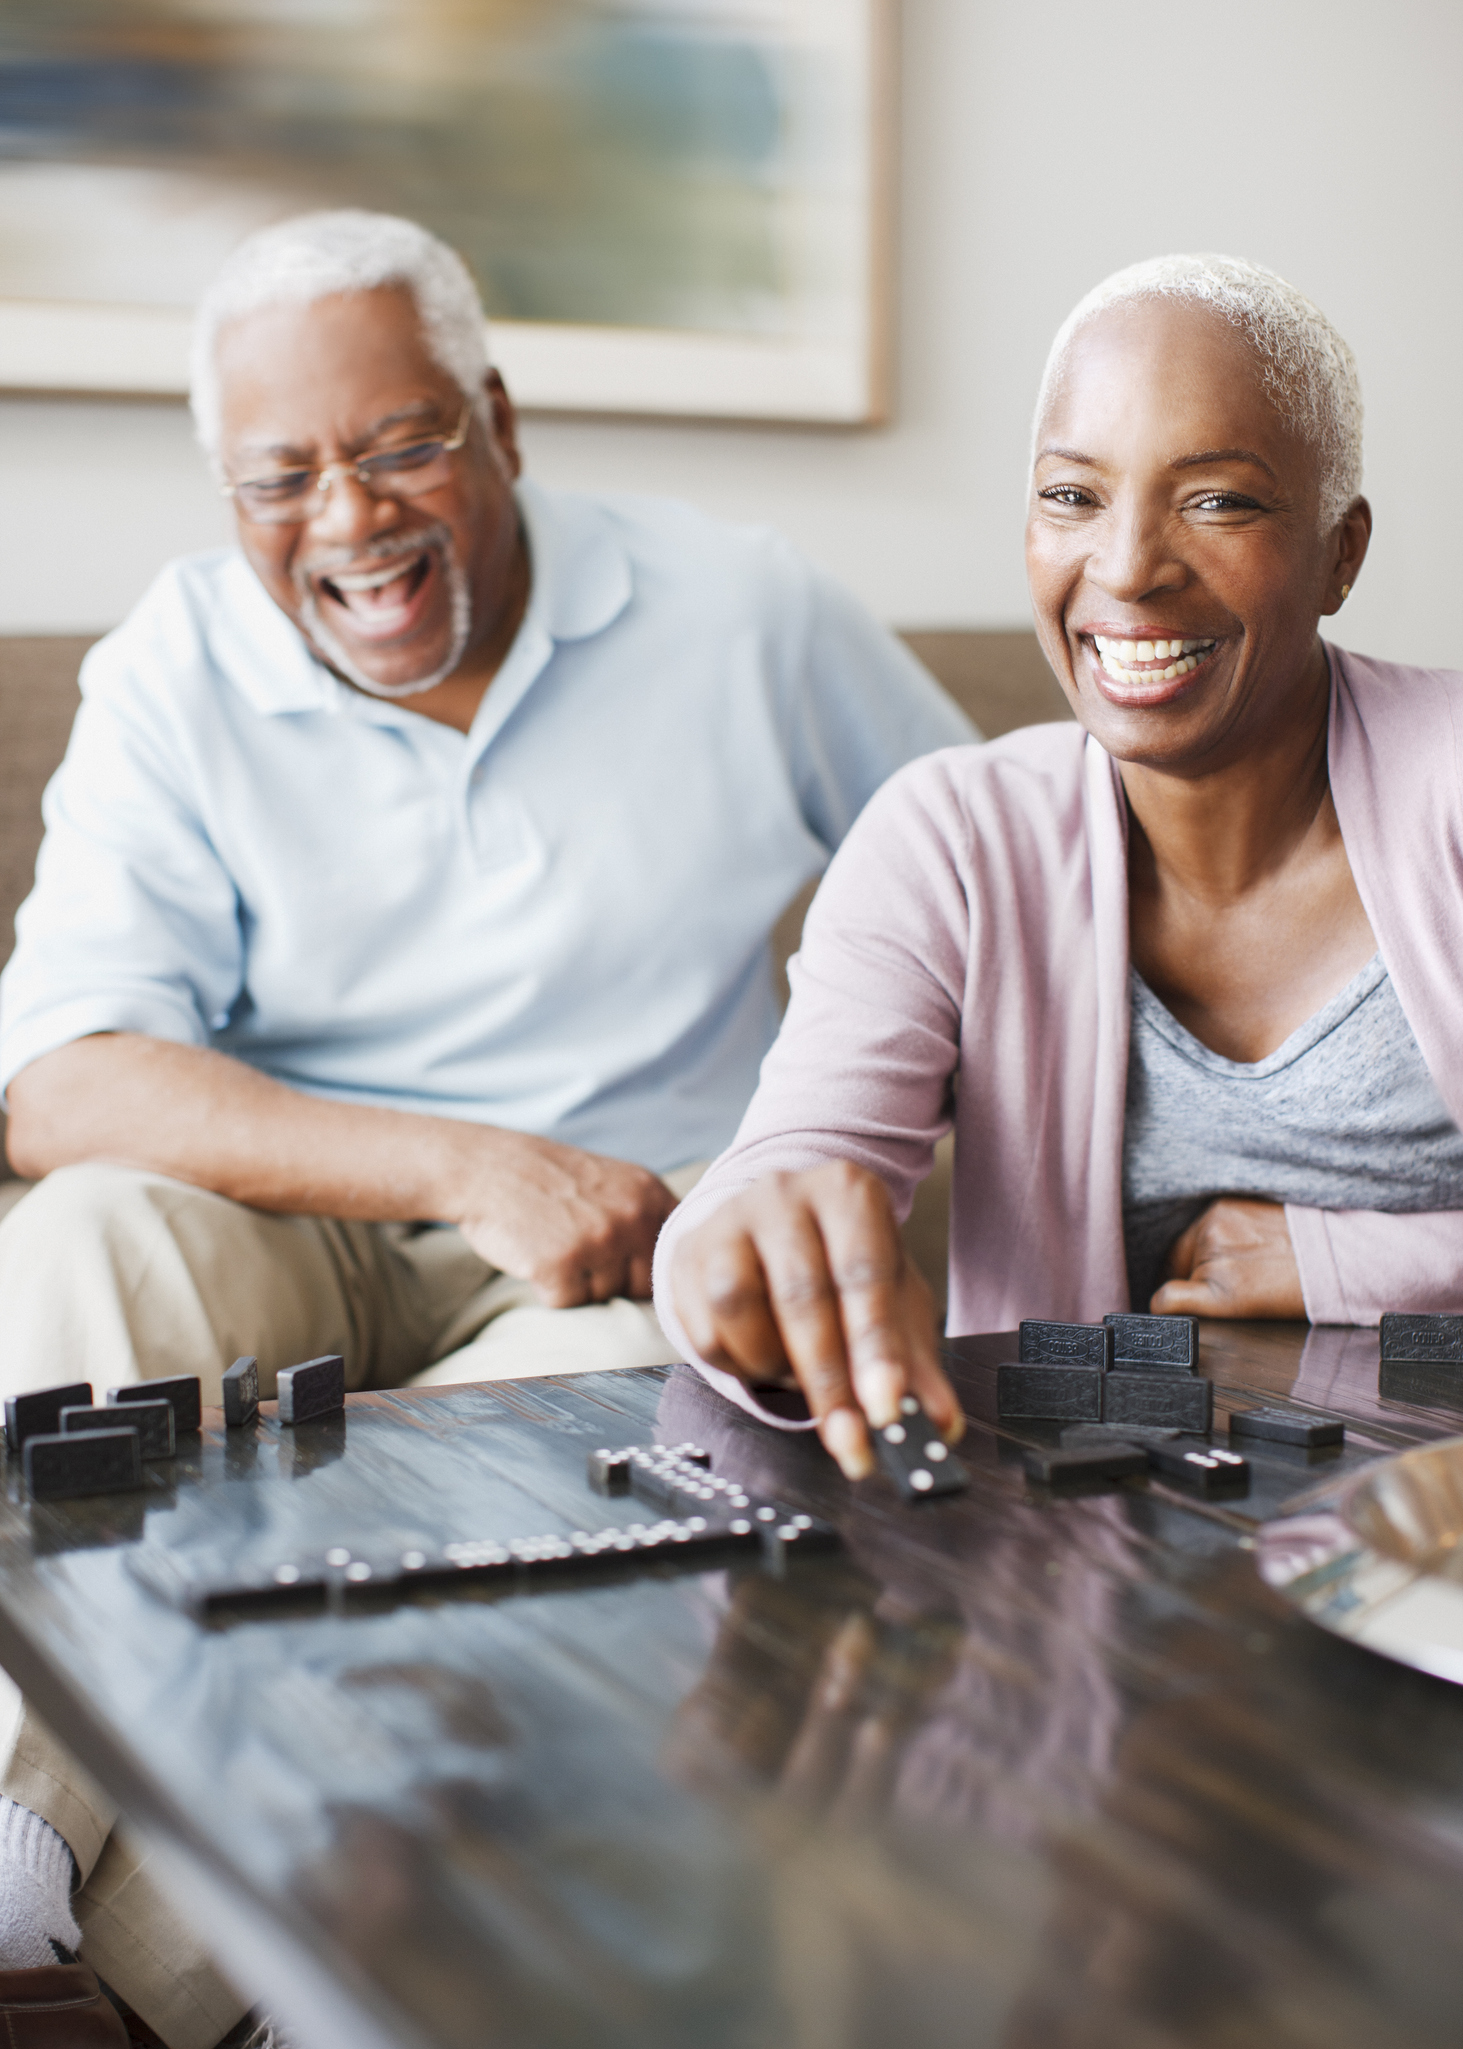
column 373, row 579
column 1117, row 658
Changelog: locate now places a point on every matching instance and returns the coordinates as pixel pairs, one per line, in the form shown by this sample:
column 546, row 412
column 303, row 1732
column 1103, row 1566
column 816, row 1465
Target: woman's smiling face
column 1173, row 544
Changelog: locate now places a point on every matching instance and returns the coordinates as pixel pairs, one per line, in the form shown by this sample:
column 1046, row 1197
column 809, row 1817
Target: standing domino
column 183, row 1391
column 63, row 1466
column 313, row 1389
column 1154, row 1344
column 241, row 1393
column 153, row 1421
column 39, row 1414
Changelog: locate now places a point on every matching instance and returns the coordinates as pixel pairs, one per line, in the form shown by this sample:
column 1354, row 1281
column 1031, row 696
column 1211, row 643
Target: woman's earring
column 1345, row 592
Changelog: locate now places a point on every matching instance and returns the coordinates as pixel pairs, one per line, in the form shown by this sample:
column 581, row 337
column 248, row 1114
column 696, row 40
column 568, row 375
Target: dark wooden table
column 1010, row 1770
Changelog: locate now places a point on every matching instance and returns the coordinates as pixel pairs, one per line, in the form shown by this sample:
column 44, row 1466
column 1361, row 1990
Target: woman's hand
column 801, row 1279
column 1234, row 1260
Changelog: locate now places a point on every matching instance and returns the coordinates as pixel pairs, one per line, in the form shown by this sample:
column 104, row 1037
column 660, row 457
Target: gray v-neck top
column 1344, row 1115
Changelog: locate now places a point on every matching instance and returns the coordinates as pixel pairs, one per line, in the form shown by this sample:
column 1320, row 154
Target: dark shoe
column 254, row 2033
column 139, row 2034
column 245, row 2034
column 58, row 2006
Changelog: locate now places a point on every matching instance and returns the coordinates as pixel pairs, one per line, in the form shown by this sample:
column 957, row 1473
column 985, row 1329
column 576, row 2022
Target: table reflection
column 1035, row 1774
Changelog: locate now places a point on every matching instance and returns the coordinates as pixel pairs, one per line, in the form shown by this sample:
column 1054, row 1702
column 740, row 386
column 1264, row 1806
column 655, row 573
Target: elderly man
column 399, row 941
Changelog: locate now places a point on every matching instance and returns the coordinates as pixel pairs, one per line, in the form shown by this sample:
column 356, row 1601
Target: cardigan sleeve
column 1357, row 1264
column 862, row 1069
column 1396, row 763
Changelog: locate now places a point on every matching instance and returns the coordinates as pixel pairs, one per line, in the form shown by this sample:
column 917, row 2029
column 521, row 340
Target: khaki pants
column 111, row 1276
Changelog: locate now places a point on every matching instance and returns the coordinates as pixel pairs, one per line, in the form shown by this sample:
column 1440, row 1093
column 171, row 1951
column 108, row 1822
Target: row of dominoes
column 70, row 1445
column 1111, row 1451
column 1143, row 1370
column 1093, row 1451
column 341, row 1579
column 312, row 1389
column 679, row 1477
column 1129, row 1387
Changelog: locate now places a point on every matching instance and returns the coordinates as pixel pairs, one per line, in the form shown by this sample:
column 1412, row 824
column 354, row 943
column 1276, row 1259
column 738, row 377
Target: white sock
column 37, row 1872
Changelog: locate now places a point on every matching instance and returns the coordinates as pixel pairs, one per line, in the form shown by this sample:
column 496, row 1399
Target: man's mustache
column 385, row 548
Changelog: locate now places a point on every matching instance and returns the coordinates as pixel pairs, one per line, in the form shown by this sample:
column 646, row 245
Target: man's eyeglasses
column 290, row 497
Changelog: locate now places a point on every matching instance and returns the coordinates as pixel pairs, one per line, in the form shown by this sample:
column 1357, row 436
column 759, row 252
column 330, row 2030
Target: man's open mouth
column 381, row 599
column 385, row 609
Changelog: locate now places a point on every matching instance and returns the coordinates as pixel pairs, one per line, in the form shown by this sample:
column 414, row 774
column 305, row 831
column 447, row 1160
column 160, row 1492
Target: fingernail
column 953, row 1432
column 847, row 1442
column 880, row 1387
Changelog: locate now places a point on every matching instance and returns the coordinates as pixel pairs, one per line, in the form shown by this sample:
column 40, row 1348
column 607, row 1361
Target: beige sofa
column 1001, row 679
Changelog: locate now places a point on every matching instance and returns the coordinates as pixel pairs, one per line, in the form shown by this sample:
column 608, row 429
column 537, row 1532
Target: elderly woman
column 1187, row 977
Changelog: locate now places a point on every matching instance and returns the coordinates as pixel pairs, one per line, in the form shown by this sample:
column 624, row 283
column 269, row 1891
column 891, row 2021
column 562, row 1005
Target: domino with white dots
column 916, row 1458
column 716, row 1521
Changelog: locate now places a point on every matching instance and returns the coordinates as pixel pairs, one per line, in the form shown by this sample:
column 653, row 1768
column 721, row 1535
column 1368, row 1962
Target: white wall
column 1043, row 145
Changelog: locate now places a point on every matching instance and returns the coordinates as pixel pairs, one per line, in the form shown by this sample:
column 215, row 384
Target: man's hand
column 581, row 1227
column 802, row 1277
column 1234, row 1260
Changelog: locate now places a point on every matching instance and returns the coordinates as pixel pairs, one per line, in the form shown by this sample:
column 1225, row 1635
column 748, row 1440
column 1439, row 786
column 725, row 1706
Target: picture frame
column 813, row 351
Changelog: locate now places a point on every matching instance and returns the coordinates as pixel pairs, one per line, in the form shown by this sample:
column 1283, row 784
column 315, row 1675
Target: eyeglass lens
column 288, row 494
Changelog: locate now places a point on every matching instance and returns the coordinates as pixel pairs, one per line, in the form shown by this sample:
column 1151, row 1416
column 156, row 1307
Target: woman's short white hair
column 317, row 254
column 1308, row 368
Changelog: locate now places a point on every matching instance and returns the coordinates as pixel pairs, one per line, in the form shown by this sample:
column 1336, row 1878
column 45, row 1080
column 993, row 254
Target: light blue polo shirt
column 557, row 922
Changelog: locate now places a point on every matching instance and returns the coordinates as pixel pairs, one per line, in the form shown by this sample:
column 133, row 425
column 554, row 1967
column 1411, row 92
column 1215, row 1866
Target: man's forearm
column 580, row 1226
column 204, row 1118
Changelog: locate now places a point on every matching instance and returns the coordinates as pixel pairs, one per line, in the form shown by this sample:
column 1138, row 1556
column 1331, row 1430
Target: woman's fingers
column 806, row 1273
column 1235, row 1260
column 928, row 1381
column 804, row 1290
column 757, row 1289
column 866, row 1263
column 1181, row 1254
column 886, row 1309
column 1189, row 1298
column 720, row 1292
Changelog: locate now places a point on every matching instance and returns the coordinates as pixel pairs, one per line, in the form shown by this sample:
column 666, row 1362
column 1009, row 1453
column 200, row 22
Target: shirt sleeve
column 865, row 707
column 1357, row 1264
column 133, row 923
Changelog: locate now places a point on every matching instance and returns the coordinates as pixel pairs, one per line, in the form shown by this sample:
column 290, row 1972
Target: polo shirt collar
column 581, row 572
column 581, row 582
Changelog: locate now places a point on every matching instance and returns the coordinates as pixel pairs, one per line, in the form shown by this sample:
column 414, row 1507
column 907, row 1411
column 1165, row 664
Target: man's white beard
column 439, row 539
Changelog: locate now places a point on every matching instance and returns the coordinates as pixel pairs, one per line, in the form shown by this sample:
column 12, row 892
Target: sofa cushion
column 38, row 700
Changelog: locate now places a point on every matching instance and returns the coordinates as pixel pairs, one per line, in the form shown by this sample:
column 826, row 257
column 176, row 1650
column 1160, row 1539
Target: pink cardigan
column 966, row 961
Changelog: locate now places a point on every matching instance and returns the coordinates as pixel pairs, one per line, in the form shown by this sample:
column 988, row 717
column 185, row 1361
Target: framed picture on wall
column 673, row 207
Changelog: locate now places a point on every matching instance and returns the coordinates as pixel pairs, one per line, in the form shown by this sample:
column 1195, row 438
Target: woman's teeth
column 1180, row 656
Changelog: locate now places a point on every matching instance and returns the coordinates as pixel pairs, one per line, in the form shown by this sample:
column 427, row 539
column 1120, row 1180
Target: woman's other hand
column 802, row 1280
column 1234, row 1260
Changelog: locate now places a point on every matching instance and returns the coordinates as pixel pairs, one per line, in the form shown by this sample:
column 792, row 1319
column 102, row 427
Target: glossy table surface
column 1010, row 1769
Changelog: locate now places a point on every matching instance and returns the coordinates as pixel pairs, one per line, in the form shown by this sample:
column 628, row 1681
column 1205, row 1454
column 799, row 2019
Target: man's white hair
column 318, row 254
column 1308, row 369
